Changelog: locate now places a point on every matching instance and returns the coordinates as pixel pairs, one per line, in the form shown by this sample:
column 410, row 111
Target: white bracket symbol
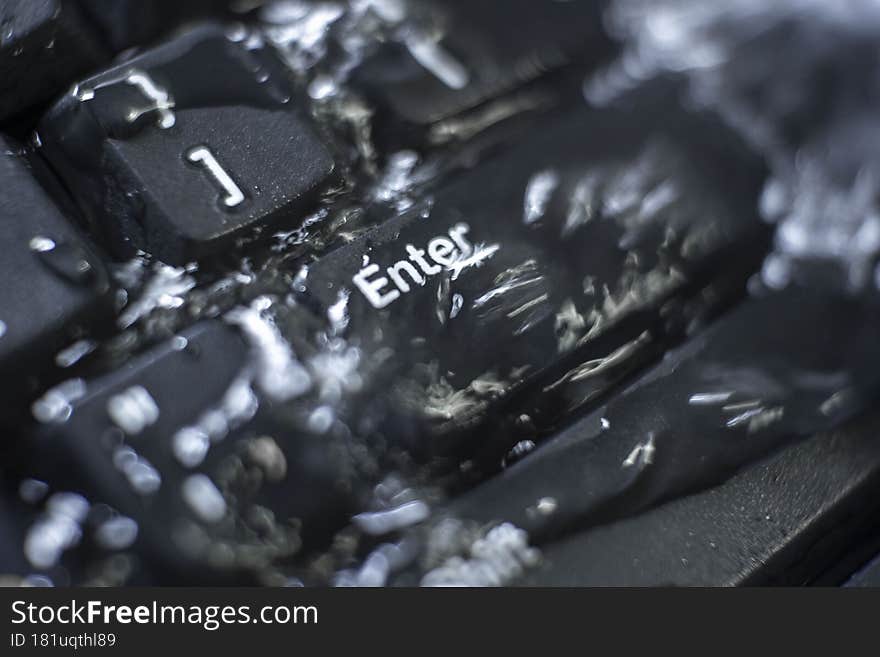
column 162, row 102
column 202, row 155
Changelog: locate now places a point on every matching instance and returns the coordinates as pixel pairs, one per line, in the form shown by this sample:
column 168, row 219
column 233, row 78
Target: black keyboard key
column 171, row 441
column 127, row 23
column 44, row 45
column 565, row 250
column 776, row 369
column 782, row 522
column 462, row 54
column 183, row 148
column 54, row 284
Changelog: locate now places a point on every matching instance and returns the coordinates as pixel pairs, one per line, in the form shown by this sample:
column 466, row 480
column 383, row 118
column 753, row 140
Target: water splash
column 58, row 529
column 495, row 559
column 165, row 287
column 812, row 113
column 277, row 371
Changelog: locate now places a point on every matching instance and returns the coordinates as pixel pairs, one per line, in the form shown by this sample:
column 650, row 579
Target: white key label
column 451, row 252
column 160, row 99
column 202, row 155
column 162, row 102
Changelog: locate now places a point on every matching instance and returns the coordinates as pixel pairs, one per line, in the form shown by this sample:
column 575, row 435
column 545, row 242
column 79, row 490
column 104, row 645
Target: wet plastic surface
column 55, row 285
column 160, row 149
column 43, row 44
column 566, row 249
column 759, row 379
column 132, row 23
column 782, row 522
column 488, row 302
column 454, row 56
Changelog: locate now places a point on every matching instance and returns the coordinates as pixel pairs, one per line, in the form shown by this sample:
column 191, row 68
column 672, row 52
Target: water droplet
column 457, row 303
column 116, row 533
column 322, row 87
column 538, row 192
column 68, row 260
column 75, row 352
column 56, row 530
column 41, row 244
column 141, row 475
column 133, row 410
column 518, row 451
column 265, row 453
column 203, row 497
column 190, row 446
column 381, row 522
column 544, row 507
column 321, row 419
column 56, row 405
column 32, row 490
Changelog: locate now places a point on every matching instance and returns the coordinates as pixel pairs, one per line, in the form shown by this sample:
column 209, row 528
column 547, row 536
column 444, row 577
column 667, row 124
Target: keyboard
column 424, row 293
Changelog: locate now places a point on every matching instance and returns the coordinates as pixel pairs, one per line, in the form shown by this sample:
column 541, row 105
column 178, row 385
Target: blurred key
column 44, row 44
column 58, row 538
column 183, row 148
column 456, row 55
column 54, row 285
column 171, row 441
